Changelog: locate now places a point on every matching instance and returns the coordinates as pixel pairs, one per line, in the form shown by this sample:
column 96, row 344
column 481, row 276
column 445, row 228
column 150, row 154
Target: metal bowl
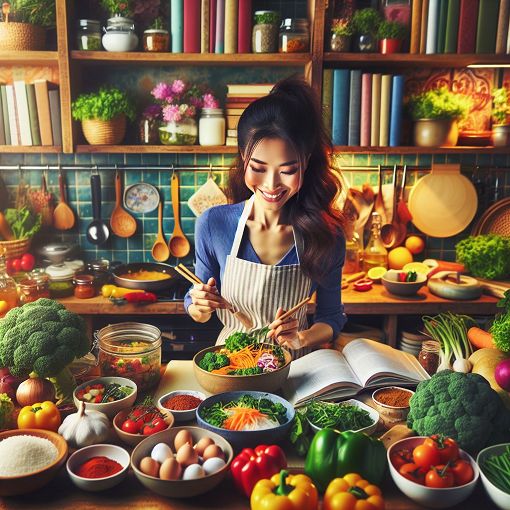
column 148, row 285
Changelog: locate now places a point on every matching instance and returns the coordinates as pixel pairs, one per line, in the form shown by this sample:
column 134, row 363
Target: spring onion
column 497, row 469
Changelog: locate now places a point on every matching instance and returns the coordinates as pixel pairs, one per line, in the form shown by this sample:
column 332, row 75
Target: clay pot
column 436, row 132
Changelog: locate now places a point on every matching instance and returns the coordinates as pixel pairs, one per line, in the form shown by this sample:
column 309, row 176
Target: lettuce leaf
column 23, row 222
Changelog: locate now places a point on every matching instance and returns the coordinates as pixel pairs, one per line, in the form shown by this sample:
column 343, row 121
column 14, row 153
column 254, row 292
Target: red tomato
column 27, row 262
column 131, row 426
column 16, row 265
column 401, row 457
column 402, row 276
column 448, row 447
column 462, row 472
column 8, row 266
column 412, row 472
column 157, row 425
column 426, row 456
column 439, row 477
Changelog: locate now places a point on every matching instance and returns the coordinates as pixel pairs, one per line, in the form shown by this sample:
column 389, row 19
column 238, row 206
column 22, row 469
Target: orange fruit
column 399, row 257
column 4, row 307
column 415, row 244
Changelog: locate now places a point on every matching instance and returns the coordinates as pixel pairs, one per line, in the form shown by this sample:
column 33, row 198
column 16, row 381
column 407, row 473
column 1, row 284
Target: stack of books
column 239, row 97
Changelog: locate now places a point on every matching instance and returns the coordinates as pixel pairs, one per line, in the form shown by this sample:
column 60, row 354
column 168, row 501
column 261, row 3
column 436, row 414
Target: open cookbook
column 327, row 374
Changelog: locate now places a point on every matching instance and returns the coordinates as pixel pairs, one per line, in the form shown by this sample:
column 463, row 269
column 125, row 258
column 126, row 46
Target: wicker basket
column 104, row 132
column 16, row 248
column 21, row 37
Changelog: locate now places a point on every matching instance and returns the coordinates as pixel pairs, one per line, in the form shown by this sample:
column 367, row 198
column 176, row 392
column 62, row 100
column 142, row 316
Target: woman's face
column 273, row 173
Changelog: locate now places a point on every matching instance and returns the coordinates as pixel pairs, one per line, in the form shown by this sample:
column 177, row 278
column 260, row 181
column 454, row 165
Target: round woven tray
column 15, row 248
column 495, row 220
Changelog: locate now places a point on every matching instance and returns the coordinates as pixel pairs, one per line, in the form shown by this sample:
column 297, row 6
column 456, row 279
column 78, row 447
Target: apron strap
column 240, row 226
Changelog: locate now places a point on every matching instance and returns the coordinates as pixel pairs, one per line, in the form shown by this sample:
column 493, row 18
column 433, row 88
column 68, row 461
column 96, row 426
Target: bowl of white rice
column 29, row 459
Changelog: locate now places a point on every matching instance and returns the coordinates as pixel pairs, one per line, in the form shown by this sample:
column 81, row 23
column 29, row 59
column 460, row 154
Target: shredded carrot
column 242, row 416
column 244, row 358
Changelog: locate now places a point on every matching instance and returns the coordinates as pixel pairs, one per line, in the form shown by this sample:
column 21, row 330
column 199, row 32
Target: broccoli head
column 246, row 371
column 237, row 341
column 213, row 361
column 461, row 406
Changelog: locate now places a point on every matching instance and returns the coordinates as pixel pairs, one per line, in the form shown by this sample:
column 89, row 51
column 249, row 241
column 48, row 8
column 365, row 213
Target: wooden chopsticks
column 186, row 273
column 294, row 309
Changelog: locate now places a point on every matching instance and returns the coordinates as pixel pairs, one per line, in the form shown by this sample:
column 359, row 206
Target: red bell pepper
column 254, row 464
column 140, row 297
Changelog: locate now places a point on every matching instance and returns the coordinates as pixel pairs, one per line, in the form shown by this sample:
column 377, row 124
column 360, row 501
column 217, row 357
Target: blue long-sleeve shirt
column 214, row 235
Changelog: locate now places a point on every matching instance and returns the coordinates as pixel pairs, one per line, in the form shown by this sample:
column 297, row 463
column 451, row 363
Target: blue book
column 397, row 99
column 355, row 109
column 177, row 25
column 340, row 127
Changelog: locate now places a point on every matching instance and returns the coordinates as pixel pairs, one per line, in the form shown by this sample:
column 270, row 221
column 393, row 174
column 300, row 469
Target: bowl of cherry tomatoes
column 432, row 471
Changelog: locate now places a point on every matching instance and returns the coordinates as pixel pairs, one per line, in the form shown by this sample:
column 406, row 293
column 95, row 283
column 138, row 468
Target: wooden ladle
column 389, row 230
column 63, row 215
column 160, row 250
column 121, row 222
column 178, row 243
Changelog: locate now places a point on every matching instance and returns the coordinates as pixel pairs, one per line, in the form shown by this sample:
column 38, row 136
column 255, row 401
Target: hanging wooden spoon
column 63, row 215
column 178, row 244
column 122, row 223
column 389, row 230
column 160, row 250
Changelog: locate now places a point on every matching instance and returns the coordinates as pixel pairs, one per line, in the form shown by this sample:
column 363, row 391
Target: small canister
column 33, row 288
column 100, row 269
column 84, row 286
column 265, row 32
column 211, row 127
column 61, row 280
column 89, row 35
column 429, row 356
column 294, row 36
column 156, row 40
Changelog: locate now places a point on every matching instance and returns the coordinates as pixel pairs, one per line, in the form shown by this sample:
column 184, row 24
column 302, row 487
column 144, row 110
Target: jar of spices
column 265, row 32
column 61, row 280
column 100, row 269
column 84, row 286
column 429, row 356
column 211, row 127
column 34, row 287
column 294, row 36
column 156, row 40
column 89, row 35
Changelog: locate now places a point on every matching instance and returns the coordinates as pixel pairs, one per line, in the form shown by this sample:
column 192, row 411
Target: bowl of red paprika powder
column 181, row 403
column 392, row 403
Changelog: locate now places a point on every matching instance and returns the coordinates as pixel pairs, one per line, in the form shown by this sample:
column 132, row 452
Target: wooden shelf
column 147, row 149
column 211, row 59
column 421, row 150
column 28, row 58
column 21, row 149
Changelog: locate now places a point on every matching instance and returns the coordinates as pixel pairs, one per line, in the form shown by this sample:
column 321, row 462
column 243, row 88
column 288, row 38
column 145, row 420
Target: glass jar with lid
column 61, row 280
column 294, row 36
column 100, row 269
column 89, row 35
column 84, row 286
column 120, row 34
column 8, row 290
column 34, row 287
column 265, row 32
column 211, row 127
column 156, row 40
column 132, row 350
column 429, row 356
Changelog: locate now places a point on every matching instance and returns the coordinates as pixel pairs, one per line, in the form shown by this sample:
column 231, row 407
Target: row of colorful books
column 210, row 26
column 363, row 109
column 460, row 26
column 30, row 113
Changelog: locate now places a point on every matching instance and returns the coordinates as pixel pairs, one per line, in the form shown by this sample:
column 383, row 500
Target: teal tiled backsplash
column 138, row 247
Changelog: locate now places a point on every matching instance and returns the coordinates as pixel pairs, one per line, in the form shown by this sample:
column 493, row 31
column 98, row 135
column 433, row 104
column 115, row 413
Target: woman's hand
column 285, row 332
column 206, row 299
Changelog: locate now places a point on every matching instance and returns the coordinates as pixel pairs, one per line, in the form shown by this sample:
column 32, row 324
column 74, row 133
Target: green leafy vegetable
column 338, row 416
column 300, row 432
column 23, row 222
column 246, row 371
column 500, row 328
column 213, row 361
column 106, row 104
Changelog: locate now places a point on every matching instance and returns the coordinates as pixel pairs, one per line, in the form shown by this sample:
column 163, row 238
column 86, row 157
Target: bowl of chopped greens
column 242, row 363
column 247, row 418
column 494, row 464
column 108, row 395
column 349, row 415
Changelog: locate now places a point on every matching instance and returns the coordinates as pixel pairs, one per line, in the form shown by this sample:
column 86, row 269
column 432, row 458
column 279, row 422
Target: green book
column 486, row 30
column 5, row 115
column 327, row 98
column 441, row 26
column 452, row 26
column 32, row 113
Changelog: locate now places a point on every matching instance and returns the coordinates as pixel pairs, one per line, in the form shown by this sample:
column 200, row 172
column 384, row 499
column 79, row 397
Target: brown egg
column 170, row 470
column 182, row 437
column 186, row 455
column 213, row 450
column 149, row 466
column 202, row 445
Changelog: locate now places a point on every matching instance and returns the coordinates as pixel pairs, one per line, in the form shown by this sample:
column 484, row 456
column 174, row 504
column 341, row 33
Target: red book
column 468, row 20
column 366, row 107
column 192, row 26
column 212, row 26
column 244, row 17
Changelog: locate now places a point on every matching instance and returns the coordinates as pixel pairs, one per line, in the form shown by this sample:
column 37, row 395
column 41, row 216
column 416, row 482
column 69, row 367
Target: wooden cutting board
column 444, row 202
column 494, row 287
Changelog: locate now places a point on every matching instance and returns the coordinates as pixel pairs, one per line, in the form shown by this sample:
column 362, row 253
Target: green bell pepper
column 334, row 454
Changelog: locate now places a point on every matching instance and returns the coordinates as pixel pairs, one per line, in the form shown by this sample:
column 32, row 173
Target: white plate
column 141, row 198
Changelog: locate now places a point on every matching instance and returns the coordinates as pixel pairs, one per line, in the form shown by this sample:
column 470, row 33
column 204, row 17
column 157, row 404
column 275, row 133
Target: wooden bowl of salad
column 238, row 366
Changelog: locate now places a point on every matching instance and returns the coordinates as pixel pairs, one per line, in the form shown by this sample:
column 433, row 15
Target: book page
column 375, row 362
column 317, row 373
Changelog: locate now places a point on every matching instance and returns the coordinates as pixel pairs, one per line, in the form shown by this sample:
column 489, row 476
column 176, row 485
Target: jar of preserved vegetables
column 294, row 36
column 429, row 356
column 34, row 287
column 61, row 280
column 265, row 32
column 89, row 35
column 156, row 40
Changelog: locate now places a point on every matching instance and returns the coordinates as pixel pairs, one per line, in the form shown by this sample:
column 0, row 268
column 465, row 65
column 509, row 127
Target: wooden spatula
column 63, row 215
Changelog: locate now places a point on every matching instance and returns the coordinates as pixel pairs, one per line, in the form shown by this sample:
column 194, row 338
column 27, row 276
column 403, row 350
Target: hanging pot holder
column 208, row 195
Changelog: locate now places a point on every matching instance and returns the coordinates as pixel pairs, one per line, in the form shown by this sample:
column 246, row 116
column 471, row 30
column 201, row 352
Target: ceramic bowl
column 391, row 284
column 188, row 414
column 134, row 439
column 119, row 41
column 22, row 484
column 180, row 488
column 374, row 415
column 391, row 414
column 218, row 383
column 248, row 438
column 499, row 497
column 428, row 496
column 109, row 408
column 111, row 451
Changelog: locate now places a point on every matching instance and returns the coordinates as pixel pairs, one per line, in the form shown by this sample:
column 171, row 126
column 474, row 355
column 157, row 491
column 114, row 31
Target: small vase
column 149, row 131
column 387, row 46
column 436, row 132
column 341, row 43
column 366, row 43
column 501, row 135
column 184, row 132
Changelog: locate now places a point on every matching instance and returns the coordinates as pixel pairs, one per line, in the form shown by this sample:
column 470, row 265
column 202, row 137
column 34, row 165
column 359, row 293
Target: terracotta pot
column 387, row 46
column 104, row 132
column 21, row 37
column 501, row 135
column 436, row 132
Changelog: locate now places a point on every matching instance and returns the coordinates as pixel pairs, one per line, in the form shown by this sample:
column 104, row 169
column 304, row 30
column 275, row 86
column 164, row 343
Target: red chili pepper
column 252, row 465
column 402, row 276
column 363, row 285
column 140, row 297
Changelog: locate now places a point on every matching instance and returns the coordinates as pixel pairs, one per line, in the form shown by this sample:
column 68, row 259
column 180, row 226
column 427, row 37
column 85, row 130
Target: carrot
column 242, row 416
column 480, row 338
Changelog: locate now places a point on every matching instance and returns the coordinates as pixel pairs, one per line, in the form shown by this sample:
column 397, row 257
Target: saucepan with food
column 148, row 276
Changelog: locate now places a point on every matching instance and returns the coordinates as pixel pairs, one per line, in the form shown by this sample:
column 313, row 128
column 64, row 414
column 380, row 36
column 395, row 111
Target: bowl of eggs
column 182, row 462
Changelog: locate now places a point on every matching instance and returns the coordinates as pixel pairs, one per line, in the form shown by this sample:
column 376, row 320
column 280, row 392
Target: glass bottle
column 429, row 357
column 8, row 290
column 294, row 36
column 211, row 127
column 375, row 254
column 352, row 255
column 89, row 35
column 265, row 32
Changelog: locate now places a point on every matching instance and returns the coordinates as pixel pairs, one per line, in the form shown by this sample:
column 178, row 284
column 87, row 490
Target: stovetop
column 176, row 293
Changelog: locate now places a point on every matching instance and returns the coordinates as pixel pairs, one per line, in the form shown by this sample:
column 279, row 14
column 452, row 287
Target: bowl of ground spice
column 392, row 403
column 182, row 404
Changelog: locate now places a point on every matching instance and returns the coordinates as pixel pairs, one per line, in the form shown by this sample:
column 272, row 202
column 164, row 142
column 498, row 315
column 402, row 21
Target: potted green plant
column 436, row 113
column 365, row 23
column 24, row 22
column 103, row 115
column 500, row 117
column 390, row 35
column 122, row 8
column 341, row 33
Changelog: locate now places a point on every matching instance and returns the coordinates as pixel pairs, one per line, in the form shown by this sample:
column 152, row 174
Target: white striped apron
column 259, row 290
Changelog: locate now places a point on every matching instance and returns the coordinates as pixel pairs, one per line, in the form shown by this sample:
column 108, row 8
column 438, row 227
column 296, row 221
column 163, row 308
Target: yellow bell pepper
column 43, row 415
column 112, row 291
column 352, row 493
column 285, row 492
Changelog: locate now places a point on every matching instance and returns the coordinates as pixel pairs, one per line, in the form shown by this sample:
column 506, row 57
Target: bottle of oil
column 8, row 290
column 375, row 254
column 352, row 255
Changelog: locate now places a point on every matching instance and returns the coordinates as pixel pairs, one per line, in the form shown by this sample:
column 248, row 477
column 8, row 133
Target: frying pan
column 148, row 285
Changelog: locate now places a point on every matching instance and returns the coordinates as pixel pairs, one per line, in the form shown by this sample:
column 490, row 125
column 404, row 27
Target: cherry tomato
column 412, row 472
column 462, row 472
column 402, row 276
column 401, row 457
column 131, row 426
column 9, row 266
column 16, row 265
column 27, row 262
column 439, row 477
column 448, row 447
column 426, row 456
column 156, row 425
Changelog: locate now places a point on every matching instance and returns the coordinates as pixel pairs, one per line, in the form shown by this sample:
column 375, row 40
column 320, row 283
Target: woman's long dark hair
column 291, row 112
